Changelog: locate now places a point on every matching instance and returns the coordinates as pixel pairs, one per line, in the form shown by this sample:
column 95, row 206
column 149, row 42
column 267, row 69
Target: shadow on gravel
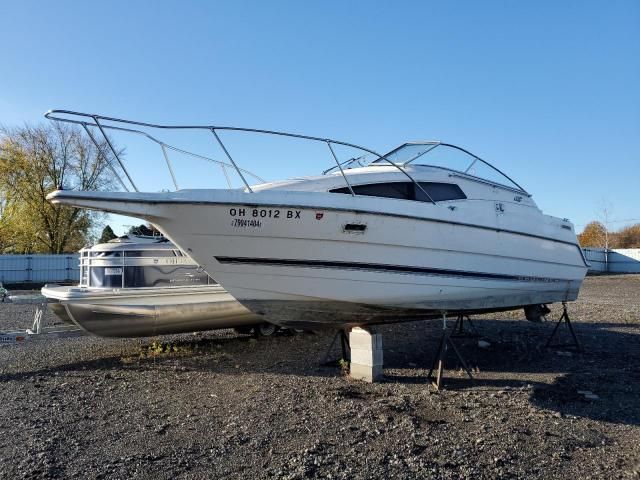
column 210, row 353
column 603, row 383
column 106, row 363
column 514, row 359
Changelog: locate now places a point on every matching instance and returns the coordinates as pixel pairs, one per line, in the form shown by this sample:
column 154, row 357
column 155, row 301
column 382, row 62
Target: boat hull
column 327, row 259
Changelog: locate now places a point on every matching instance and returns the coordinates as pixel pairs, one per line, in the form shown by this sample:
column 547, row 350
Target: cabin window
column 401, row 190
column 438, row 192
column 105, row 254
column 150, row 253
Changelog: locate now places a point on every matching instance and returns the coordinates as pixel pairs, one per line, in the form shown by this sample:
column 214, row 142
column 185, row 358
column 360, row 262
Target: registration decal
column 246, row 223
column 257, row 213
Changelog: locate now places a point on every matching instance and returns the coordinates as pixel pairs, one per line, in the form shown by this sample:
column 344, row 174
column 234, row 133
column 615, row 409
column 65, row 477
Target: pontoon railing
column 102, row 123
column 88, row 262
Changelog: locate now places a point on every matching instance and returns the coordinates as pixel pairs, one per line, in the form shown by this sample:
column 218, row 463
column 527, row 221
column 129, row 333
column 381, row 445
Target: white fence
column 39, row 268
column 66, row 268
column 619, row 260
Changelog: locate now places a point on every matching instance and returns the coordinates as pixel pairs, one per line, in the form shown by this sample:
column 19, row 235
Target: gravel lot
column 220, row 405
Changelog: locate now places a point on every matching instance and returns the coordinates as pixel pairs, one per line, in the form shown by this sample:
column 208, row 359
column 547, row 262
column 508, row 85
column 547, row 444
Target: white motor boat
column 407, row 235
column 135, row 286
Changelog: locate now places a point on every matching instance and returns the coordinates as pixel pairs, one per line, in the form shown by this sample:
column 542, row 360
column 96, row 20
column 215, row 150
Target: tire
column 266, row 329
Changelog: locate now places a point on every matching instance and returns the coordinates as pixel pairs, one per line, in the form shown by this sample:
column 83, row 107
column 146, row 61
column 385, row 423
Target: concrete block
column 367, row 357
column 365, row 373
column 361, row 338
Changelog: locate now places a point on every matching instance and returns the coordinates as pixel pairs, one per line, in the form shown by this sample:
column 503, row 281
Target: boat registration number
column 251, row 217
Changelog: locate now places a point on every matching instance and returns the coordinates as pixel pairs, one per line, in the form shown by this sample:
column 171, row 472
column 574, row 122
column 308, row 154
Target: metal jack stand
column 459, row 330
column 565, row 316
column 344, row 344
column 37, row 326
column 443, row 346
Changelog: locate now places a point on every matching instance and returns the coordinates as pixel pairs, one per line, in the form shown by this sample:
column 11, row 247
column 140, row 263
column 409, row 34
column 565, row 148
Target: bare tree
column 606, row 209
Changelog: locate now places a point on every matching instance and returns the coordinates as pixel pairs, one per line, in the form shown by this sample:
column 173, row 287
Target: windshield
column 450, row 157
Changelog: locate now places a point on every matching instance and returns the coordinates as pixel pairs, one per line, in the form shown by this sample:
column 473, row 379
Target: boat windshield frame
column 92, row 123
column 473, row 160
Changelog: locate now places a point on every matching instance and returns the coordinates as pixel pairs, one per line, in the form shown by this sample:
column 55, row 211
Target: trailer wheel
column 266, row 329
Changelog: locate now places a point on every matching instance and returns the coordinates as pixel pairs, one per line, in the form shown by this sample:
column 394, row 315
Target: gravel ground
column 220, row 405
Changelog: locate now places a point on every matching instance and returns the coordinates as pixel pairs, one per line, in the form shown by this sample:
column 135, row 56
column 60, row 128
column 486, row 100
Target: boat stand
column 344, row 345
column 443, row 346
column 575, row 344
column 37, row 327
column 460, row 332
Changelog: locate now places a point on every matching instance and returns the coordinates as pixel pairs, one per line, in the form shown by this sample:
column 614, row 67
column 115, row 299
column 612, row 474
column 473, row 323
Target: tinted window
column 439, row 192
column 408, row 191
column 105, row 254
column 402, row 190
column 150, row 253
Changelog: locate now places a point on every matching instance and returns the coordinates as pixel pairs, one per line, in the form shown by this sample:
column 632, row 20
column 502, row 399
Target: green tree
column 147, row 230
column 107, row 234
column 35, row 160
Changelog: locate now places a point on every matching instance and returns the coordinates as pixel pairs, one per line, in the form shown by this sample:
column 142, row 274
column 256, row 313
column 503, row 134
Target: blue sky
column 547, row 91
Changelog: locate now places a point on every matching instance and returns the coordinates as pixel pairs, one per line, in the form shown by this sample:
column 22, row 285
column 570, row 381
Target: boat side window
column 150, row 253
column 105, row 277
column 105, row 254
column 401, row 190
column 439, row 192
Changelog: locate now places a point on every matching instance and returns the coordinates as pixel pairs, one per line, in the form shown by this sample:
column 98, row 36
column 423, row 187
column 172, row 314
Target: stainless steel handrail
column 163, row 145
column 346, row 163
column 54, row 115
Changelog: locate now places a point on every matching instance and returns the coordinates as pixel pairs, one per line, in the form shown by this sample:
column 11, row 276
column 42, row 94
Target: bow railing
column 92, row 122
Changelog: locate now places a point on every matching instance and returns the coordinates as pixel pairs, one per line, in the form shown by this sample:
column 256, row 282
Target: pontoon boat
column 133, row 286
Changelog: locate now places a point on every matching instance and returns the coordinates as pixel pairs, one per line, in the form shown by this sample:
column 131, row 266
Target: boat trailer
column 39, row 325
